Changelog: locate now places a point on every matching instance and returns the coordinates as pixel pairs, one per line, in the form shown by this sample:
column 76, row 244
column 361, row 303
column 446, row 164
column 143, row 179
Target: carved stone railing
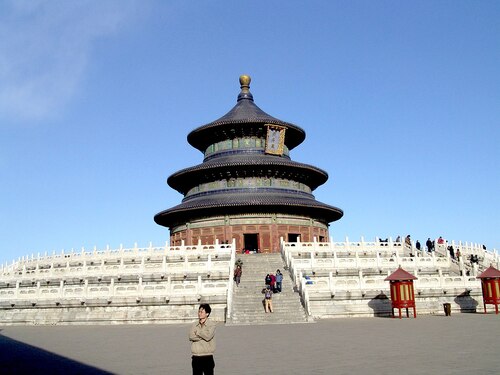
column 361, row 267
column 364, row 284
column 164, row 273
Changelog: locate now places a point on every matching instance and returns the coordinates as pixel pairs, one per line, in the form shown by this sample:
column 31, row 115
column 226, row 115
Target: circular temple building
column 247, row 188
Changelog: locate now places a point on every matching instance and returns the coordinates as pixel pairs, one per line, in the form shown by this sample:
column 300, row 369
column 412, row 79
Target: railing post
column 140, row 287
column 305, row 295
column 229, row 300
column 331, row 284
column 441, row 281
column 112, row 287
column 361, row 281
column 85, row 288
column 61, row 289
column 16, row 293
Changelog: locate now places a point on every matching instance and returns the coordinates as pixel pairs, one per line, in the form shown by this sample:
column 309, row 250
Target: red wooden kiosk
column 402, row 294
column 490, row 284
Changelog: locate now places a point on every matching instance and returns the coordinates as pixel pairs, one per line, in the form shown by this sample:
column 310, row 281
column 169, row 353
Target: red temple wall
column 268, row 231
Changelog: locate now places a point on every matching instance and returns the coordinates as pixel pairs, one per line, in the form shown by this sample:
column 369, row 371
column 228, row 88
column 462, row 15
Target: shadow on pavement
column 20, row 358
column 381, row 306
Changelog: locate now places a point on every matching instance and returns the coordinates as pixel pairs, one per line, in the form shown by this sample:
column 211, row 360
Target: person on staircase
column 237, row 274
column 268, row 279
column 273, row 283
column 279, row 281
column 268, row 299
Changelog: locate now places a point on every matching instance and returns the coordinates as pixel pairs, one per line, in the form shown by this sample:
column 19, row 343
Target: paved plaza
column 460, row 344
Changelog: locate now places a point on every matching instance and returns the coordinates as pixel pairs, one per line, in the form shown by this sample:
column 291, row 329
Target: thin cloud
column 45, row 47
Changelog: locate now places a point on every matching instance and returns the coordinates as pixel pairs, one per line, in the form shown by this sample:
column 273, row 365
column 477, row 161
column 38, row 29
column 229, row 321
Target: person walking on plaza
column 202, row 337
column 268, row 299
column 237, row 274
column 279, row 280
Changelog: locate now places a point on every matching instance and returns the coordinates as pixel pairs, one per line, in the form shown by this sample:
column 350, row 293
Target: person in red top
column 273, row 282
column 440, row 240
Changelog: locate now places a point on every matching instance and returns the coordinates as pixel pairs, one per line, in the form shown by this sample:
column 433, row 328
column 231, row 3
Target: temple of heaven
column 247, row 188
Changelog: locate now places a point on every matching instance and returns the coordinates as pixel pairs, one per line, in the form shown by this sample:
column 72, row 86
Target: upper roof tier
column 244, row 119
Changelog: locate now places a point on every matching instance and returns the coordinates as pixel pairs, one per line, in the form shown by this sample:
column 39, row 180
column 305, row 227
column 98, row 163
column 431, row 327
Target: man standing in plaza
column 202, row 337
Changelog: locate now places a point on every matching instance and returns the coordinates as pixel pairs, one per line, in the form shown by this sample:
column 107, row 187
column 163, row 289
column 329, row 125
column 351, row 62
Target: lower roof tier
column 254, row 202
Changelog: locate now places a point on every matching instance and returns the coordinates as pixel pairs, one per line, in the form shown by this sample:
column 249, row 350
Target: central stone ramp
column 248, row 307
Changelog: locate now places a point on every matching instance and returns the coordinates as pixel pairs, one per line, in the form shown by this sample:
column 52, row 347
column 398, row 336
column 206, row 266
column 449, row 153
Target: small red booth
column 402, row 294
column 490, row 284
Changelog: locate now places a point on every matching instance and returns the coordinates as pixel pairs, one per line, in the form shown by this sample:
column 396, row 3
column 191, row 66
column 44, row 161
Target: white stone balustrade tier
column 166, row 289
column 153, row 272
column 324, row 270
column 364, row 283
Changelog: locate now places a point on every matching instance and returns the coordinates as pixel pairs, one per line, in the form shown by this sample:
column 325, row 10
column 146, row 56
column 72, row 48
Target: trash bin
column 447, row 309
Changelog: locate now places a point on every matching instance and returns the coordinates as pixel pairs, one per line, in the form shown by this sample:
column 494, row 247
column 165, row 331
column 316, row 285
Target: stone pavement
column 460, row 344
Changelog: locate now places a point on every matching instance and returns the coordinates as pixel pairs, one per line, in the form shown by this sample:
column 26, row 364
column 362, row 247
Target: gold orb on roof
column 245, row 80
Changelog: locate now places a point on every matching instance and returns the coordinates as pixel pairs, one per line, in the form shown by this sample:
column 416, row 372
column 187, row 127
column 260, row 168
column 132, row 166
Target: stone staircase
column 248, row 307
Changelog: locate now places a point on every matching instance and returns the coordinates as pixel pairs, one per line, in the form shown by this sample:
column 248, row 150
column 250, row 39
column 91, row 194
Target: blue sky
column 400, row 102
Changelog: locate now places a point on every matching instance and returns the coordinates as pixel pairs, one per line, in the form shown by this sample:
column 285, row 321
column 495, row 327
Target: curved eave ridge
column 225, row 167
column 245, row 113
column 209, row 206
column 236, row 191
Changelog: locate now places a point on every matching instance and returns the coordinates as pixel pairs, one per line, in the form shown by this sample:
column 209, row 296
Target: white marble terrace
column 339, row 271
column 185, row 274
column 148, row 284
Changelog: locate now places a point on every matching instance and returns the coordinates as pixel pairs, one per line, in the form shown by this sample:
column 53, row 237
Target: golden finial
column 245, row 88
column 245, row 82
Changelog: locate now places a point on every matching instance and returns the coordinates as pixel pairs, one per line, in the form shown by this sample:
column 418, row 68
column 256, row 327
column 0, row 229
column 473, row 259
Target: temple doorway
column 251, row 241
column 292, row 237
